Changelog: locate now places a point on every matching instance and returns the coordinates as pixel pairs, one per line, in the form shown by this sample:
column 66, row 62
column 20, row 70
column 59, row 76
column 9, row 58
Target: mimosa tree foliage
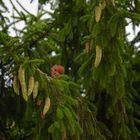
column 97, row 98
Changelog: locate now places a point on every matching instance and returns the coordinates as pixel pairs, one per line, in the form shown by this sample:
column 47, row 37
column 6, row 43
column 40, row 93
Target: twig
column 23, row 8
column 31, row 1
column 41, row 72
column 14, row 23
column 33, row 42
column 15, row 8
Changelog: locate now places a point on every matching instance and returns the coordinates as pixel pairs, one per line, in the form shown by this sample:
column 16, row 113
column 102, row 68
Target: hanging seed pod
column 102, row 4
column 46, row 106
column 30, row 85
column 98, row 56
column 21, row 77
column 98, row 12
column 113, row 2
column 35, row 89
column 16, row 85
column 25, row 96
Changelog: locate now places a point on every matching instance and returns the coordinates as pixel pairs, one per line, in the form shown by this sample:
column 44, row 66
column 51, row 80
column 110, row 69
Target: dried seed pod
column 35, row 89
column 98, row 12
column 16, row 85
column 98, row 56
column 21, row 77
column 46, row 106
column 30, row 85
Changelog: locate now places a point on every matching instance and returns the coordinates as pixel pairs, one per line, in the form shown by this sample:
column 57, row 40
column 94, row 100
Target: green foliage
column 86, row 102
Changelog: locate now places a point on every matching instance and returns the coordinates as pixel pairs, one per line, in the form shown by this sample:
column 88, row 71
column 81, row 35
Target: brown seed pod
column 21, row 77
column 31, row 85
column 46, row 106
column 98, row 12
column 35, row 89
column 16, row 85
column 98, row 56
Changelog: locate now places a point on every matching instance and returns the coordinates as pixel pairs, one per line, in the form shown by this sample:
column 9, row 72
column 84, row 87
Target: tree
column 97, row 97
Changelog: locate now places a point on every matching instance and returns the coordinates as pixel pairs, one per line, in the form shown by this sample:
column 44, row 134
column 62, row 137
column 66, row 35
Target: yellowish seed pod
column 25, row 96
column 102, row 4
column 35, row 90
column 98, row 12
column 16, row 85
column 30, row 85
column 46, row 106
column 98, row 56
column 21, row 77
column 113, row 2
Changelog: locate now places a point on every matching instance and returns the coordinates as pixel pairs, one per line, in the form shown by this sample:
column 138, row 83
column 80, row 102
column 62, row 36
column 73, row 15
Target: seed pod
column 21, row 77
column 16, row 85
column 102, row 4
column 30, row 85
column 35, row 90
column 98, row 12
column 46, row 106
column 113, row 2
column 25, row 96
column 98, row 56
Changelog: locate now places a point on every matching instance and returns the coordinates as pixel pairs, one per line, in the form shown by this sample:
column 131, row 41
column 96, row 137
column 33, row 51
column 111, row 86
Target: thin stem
column 23, row 8
column 14, row 23
column 15, row 8
column 41, row 72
